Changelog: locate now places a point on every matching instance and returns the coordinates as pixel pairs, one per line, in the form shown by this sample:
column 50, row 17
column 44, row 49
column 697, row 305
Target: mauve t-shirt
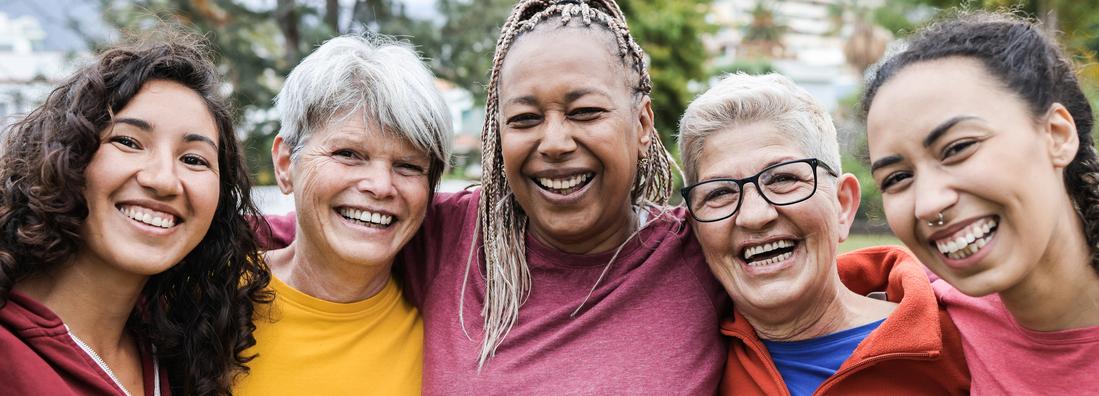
column 1007, row 359
column 650, row 327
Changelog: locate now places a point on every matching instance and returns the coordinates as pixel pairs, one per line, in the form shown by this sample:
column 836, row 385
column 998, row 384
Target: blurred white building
column 811, row 53
column 27, row 73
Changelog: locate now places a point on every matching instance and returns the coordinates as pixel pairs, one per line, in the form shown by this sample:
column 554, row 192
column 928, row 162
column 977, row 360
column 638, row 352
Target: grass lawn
column 856, row 241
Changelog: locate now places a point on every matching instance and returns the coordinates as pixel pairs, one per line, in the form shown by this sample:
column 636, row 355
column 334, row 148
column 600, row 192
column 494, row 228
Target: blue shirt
column 805, row 364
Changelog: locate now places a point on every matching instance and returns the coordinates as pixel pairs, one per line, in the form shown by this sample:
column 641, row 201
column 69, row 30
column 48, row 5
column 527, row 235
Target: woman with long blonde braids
column 566, row 272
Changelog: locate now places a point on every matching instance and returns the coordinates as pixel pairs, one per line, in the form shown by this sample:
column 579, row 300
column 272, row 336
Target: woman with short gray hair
column 803, row 321
column 365, row 137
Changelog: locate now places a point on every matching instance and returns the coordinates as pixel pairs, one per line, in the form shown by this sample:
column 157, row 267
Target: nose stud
column 937, row 222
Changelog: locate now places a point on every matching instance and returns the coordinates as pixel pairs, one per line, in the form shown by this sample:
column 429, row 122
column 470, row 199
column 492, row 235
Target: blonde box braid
column 502, row 221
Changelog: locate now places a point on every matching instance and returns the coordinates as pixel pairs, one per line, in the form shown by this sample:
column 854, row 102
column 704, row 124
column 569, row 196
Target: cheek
column 205, row 192
column 415, row 193
column 899, row 214
column 714, row 238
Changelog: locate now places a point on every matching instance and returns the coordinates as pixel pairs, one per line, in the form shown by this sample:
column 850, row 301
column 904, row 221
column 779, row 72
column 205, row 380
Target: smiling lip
column 771, row 268
column 949, row 234
column 572, row 196
column 158, row 218
column 386, row 219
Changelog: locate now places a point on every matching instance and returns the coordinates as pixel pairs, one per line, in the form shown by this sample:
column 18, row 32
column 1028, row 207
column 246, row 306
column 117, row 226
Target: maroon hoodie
column 39, row 357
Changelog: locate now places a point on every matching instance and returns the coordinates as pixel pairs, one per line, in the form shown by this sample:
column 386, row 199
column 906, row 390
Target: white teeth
column 968, row 241
column 564, row 183
column 773, row 260
column 767, row 247
column 149, row 216
column 366, row 217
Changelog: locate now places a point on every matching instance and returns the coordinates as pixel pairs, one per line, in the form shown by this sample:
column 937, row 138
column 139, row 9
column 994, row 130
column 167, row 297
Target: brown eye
column 586, row 113
column 126, row 141
column 957, row 148
column 525, row 120
column 894, row 179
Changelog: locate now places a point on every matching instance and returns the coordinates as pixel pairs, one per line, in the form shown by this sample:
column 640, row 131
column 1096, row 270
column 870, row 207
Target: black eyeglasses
column 780, row 184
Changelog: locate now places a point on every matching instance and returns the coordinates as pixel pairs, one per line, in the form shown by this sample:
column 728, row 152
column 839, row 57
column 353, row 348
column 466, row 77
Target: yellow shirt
column 308, row 346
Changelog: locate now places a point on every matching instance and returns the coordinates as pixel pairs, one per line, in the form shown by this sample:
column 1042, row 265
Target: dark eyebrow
column 938, row 131
column 146, row 127
column 140, row 124
column 580, row 93
column 884, row 162
column 523, row 100
column 194, row 137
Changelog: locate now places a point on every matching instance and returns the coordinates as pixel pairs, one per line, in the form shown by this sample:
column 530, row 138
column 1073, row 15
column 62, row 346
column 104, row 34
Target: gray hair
column 382, row 76
column 741, row 99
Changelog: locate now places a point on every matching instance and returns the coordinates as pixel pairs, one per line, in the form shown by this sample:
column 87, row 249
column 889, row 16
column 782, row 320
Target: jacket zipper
column 840, row 375
column 103, row 365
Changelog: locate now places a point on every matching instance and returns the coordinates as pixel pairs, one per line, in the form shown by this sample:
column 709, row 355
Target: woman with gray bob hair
column 380, row 75
column 803, row 320
column 365, row 137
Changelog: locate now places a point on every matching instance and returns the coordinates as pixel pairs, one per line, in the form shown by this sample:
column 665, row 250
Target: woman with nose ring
column 980, row 139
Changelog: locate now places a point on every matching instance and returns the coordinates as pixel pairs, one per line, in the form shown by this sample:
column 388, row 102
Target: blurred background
column 825, row 46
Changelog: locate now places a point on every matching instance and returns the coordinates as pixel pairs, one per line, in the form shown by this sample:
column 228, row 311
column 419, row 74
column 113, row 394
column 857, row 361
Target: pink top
column 651, row 327
column 1005, row 358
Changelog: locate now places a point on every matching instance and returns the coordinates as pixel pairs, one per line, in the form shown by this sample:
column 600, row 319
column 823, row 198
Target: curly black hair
column 1019, row 55
column 198, row 313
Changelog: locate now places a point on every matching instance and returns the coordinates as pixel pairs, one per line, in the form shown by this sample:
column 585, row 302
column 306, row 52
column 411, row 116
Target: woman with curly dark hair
column 127, row 265
column 980, row 139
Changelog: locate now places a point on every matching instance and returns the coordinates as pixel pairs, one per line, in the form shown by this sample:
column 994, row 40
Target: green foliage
column 671, row 33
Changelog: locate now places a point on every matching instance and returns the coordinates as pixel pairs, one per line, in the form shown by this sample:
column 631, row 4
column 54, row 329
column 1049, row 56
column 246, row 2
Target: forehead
column 742, row 150
column 580, row 55
column 358, row 130
column 171, row 106
column 923, row 95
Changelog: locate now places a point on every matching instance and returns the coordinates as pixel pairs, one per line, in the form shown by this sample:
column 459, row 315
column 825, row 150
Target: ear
column 849, row 194
column 280, row 156
column 645, row 121
column 1063, row 140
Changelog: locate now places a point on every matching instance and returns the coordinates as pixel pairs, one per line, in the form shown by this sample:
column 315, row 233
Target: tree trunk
column 287, row 18
column 332, row 15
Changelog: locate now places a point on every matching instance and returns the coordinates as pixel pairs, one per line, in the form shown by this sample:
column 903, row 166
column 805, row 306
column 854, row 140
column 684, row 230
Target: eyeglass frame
column 754, row 180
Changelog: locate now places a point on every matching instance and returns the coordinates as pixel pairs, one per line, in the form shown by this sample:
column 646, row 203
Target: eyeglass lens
column 780, row 185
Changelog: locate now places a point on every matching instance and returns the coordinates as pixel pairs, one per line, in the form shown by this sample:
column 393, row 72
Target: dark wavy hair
column 198, row 313
column 1027, row 62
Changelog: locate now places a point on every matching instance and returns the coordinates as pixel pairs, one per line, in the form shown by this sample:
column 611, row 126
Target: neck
column 312, row 272
column 605, row 238
column 830, row 309
column 1062, row 291
column 94, row 299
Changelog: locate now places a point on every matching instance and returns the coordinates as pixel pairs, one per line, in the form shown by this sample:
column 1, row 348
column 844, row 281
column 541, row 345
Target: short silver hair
column 741, row 99
column 382, row 76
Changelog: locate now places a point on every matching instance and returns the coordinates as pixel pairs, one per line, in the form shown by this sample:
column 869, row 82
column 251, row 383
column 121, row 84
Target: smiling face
column 571, row 133
column 946, row 137
column 360, row 193
column 152, row 186
column 772, row 256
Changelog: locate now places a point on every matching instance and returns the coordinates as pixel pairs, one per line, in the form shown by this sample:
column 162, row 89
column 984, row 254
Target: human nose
column 158, row 174
column 377, row 180
column 754, row 212
column 557, row 140
column 933, row 196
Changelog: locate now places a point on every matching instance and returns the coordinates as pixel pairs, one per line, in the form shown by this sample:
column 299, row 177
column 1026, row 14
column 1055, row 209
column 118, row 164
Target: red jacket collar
column 902, row 277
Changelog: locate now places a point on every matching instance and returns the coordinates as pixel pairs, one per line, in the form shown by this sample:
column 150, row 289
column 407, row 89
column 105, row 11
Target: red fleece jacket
column 38, row 357
column 916, row 350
